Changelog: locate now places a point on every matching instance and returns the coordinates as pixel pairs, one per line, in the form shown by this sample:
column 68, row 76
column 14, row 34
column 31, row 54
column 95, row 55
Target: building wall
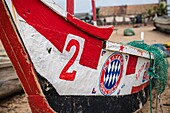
column 124, row 10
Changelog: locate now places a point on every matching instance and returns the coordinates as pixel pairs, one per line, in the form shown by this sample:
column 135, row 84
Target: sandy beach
column 18, row 103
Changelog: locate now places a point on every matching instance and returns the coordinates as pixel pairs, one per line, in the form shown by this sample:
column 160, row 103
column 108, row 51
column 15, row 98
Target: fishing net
column 129, row 32
column 158, row 70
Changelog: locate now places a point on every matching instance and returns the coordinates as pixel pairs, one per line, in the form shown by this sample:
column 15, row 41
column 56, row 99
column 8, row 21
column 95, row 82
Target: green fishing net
column 129, row 32
column 158, row 70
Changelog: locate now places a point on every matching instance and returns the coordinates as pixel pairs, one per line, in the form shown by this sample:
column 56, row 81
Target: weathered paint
column 49, row 64
column 90, row 104
column 131, row 67
column 111, row 74
column 20, row 60
column 55, row 34
column 128, row 50
column 56, row 8
column 63, row 69
column 97, row 32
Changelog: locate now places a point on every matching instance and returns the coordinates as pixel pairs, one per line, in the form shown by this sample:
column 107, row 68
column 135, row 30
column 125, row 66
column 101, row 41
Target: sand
column 150, row 36
column 18, row 103
column 15, row 104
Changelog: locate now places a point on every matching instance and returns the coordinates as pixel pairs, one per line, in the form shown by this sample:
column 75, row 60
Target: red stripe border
column 136, row 89
column 21, row 63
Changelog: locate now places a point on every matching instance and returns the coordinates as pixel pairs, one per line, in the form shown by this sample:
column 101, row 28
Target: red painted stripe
column 21, row 62
column 132, row 62
column 70, row 6
column 38, row 104
column 136, row 89
column 16, row 53
column 94, row 10
column 55, row 28
column 101, row 33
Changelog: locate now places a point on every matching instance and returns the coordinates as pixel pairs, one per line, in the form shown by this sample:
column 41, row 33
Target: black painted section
column 92, row 104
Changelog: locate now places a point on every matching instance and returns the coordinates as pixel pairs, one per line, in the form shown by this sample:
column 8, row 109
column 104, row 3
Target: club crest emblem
column 111, row 74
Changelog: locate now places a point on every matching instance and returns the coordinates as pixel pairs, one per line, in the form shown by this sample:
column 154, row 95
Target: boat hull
column 162, row 24
column 93, row 104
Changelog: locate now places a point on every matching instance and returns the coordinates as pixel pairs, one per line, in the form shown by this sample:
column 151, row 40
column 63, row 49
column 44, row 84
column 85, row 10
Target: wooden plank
column 19, row 58
column 70, row 6
column 94, row 13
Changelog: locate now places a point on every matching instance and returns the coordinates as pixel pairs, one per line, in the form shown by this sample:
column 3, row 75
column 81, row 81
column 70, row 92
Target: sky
column 85, row 5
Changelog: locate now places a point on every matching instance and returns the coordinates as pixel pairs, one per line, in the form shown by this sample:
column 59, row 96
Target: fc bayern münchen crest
column 111, row 74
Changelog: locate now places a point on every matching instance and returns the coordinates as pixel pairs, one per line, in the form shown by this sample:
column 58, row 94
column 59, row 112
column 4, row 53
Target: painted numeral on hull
column 67, row 75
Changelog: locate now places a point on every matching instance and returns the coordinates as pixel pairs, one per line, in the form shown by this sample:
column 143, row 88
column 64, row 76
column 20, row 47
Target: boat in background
column 68, row 66
column 162, row 24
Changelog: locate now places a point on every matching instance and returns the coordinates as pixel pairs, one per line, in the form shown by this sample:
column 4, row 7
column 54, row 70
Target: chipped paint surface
column 56, row 80
column 50, row 63
column 55, row 7
column 127, row 49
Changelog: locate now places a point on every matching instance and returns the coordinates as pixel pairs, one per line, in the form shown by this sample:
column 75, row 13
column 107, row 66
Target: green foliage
column 162, row 9
column 159, row 10
column 150, row 13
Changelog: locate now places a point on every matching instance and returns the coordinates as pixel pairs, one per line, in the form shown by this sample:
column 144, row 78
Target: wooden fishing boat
column 162, row 24
column 68, row 66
